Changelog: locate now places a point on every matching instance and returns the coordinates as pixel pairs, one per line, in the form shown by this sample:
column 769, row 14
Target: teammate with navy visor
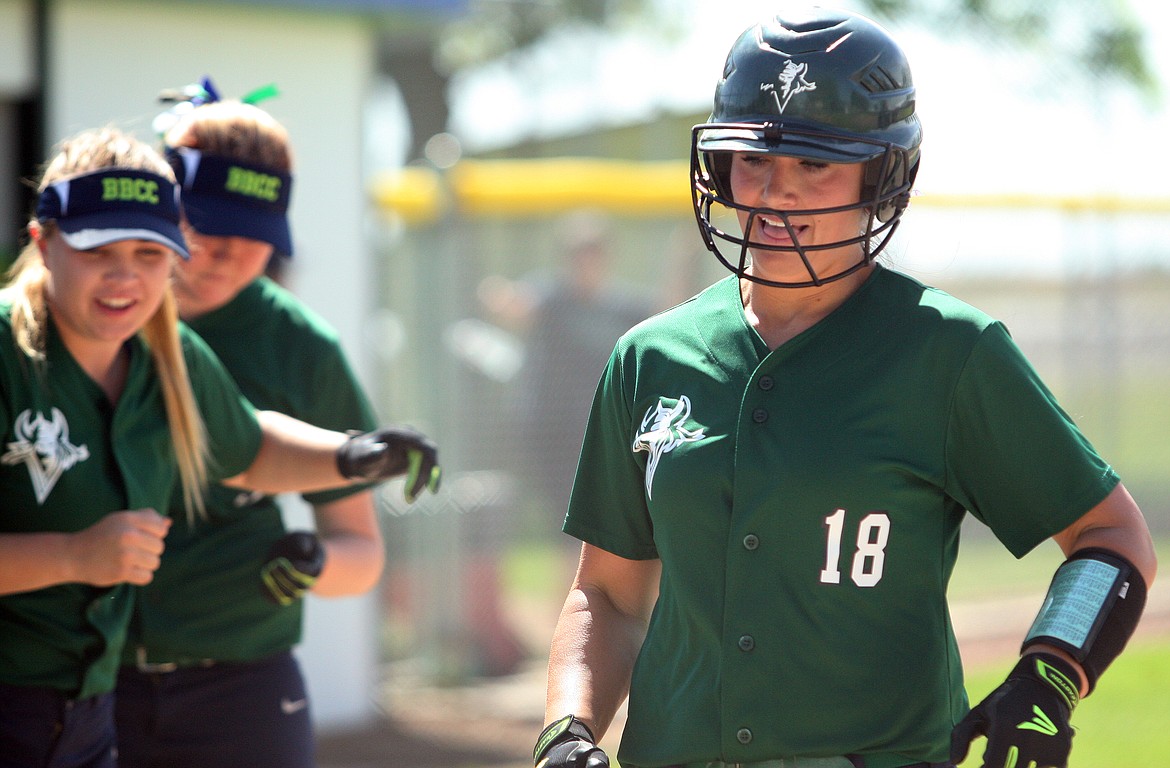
column 112, row 414
column 209, row 676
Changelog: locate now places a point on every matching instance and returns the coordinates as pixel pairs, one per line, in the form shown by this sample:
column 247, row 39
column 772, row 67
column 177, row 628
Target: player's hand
column 568, row 743
column 1025, row 719
column 389, row 452
column 294, row 563
column 123, row 546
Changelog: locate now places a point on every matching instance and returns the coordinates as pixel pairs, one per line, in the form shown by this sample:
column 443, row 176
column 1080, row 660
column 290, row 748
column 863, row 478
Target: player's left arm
column 1115, row 526
column 1089, row 614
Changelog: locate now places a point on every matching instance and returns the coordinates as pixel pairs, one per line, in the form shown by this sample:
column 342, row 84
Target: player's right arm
column 121, row 547
column 597, row 638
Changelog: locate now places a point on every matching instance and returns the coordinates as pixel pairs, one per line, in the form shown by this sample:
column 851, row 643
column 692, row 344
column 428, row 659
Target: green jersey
column 68, row 458
column 805, row 504
column 206, row 601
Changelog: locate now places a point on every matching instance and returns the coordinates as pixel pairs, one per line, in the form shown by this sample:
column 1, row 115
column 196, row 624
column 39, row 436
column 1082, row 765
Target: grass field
column 1124, row 723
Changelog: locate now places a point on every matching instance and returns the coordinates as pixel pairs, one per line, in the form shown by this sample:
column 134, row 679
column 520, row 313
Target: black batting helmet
column 819, row 84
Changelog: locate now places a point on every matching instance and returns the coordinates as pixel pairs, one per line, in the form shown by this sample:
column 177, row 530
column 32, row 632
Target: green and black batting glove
column 1025, row 719
column 389, row 452
column 294, row 563
column 568, row 743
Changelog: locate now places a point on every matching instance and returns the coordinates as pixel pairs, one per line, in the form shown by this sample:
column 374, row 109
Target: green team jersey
column 206, row 601
column 805, row 504
column 67, row 459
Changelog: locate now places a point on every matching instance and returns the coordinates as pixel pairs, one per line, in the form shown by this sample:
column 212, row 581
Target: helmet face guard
column 819, row 84
column 883, row 202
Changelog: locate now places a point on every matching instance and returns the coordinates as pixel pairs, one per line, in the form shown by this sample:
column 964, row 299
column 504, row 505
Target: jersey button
column 747, row 643
column 766, row 383
column 759, row 415
column 751, row 542
column 744, row 736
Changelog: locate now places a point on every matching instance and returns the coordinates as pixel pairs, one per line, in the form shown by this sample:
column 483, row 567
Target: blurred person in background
column 568, row 322
column 775, row 472
column 208, row 676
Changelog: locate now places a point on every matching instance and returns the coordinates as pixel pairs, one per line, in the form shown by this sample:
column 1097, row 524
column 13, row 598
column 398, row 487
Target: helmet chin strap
column 815, row 280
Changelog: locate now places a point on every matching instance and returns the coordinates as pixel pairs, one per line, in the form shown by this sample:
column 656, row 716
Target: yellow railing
column 544, row 187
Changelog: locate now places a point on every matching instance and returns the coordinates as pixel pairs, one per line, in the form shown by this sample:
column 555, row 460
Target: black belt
column 163, row 667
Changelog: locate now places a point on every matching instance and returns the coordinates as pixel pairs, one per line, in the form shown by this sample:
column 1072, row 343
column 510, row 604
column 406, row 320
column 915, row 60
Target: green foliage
column 1119, row 49
column 493, row 28
column 1098, row 39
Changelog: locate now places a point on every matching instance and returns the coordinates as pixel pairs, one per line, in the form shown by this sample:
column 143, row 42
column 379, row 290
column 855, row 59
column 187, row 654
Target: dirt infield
column 489, row 723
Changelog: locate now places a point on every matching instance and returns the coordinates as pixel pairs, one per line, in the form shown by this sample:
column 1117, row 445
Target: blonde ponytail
column 188, row 435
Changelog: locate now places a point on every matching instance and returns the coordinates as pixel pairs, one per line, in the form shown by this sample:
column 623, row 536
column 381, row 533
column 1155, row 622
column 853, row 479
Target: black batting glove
column 389, row 452
column 294, row 563
column 1025, row 719
column 568, row 743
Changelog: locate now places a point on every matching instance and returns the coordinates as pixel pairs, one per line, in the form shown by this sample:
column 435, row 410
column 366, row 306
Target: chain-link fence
column 504, row 323
column 503, row 290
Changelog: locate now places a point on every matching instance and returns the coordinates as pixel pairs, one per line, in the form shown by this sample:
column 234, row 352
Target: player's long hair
column 25, row 286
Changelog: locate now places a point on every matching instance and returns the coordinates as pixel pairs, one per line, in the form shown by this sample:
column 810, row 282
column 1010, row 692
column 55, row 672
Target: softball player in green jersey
column 774, row 473
column 210, row 677
column 109, row 409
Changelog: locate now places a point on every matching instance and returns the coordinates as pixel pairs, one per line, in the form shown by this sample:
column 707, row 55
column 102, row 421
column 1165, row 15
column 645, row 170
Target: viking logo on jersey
column 43, row 445
column 247, row 498
column 791, row 82
column 662, row 431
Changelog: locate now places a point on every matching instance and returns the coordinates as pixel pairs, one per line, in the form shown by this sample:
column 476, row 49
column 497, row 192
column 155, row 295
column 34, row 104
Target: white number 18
column 870, row 557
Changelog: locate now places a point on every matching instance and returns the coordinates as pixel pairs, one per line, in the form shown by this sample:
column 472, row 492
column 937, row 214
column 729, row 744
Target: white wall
column 107, row 63
column 16, row 48
column 17, row 82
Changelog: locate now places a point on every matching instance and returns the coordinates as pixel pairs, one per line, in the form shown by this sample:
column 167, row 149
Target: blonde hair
column 236, row 131
column 92, row 151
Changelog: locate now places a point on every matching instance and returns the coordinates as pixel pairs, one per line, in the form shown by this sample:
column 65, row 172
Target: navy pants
column 44, row 728
column 227, row 715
